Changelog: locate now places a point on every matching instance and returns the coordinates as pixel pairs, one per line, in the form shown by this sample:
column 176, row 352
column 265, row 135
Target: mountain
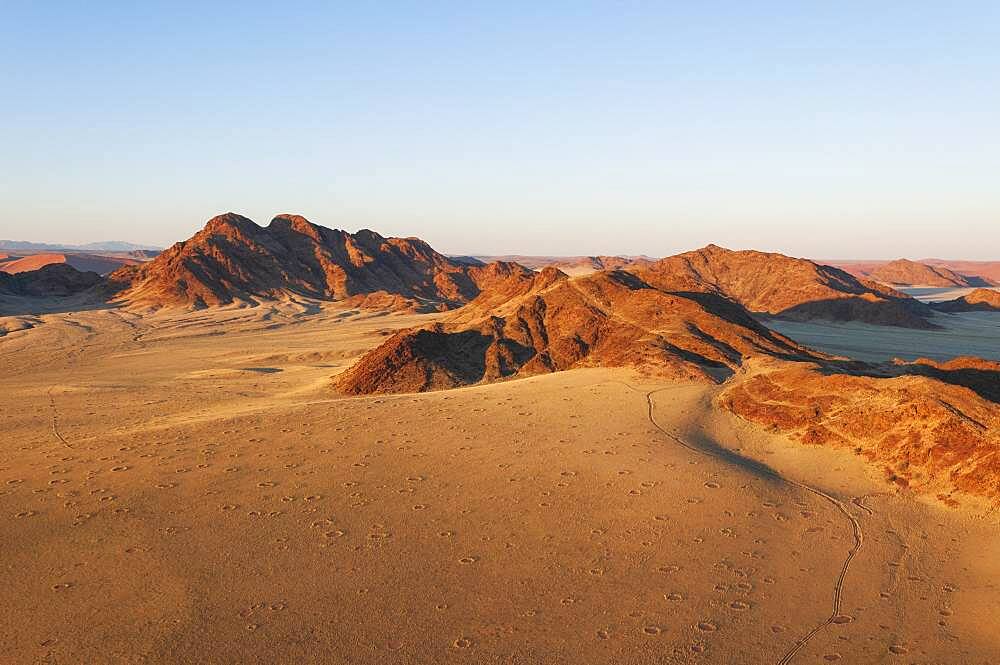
column 974, row 273
column 906, row 273
column 776, row 285
column 979, row 273
column 233, row 260
column 548, row 321
column 979, row 300
column 109, row 246
column 55, row 280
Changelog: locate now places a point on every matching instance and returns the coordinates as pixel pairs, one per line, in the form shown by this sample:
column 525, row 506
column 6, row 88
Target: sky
column 819, row 129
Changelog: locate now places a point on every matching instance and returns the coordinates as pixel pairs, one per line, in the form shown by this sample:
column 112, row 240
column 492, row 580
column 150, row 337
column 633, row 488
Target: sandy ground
column 962, row 334
column 188, row 490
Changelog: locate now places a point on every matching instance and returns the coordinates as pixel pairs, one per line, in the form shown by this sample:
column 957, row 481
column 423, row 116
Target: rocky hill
column 904, row 272
column 549, row 322
column 776, row 285
column 233, row 260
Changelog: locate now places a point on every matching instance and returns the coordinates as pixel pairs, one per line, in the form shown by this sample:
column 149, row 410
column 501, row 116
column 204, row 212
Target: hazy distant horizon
column 81, row 246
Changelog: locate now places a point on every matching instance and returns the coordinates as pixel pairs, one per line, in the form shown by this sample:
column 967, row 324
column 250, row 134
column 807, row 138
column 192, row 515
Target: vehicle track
column 55, row 420
column 838, row 590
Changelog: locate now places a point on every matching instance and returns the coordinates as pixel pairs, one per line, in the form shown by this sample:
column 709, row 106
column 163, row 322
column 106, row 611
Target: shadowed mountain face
column 233, row 260
column 905, row 272
column 549, row 322
column 778, row 285
column 980, row 300
column 54, row 280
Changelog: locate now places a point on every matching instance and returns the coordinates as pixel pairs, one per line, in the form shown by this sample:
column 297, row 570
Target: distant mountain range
column 925, row 272
column 108, row 246
column 234, row 261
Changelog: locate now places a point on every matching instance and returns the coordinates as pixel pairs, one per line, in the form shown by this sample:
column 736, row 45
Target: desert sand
column 960, row 334
column 187, row 488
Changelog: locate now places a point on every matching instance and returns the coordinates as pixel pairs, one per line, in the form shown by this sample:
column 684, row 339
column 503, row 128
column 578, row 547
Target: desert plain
column 185, row 487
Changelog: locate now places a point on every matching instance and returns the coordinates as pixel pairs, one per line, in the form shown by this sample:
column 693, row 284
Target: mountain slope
column 233, row 260
column 777, row 285
column 550, row 322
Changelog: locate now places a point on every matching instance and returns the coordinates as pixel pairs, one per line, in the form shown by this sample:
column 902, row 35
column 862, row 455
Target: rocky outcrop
column 932, row 427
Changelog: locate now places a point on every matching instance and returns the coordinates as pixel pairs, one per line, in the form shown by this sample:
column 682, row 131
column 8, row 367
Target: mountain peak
column 296, row 224
column 227, row 223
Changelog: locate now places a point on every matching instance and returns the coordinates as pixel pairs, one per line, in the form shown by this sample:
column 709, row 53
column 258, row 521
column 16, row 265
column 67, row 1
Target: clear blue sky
column 824, row 129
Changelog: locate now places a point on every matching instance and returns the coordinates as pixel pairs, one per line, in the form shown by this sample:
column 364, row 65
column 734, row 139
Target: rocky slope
column 777, row 285
column 904, row 272
column 233, row 260
column 550, row 322
column 932, row 427
column 980, row 300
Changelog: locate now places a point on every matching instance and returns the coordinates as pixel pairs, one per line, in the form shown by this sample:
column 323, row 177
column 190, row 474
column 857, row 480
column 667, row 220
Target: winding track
column 55, row 420
column 859, row 539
